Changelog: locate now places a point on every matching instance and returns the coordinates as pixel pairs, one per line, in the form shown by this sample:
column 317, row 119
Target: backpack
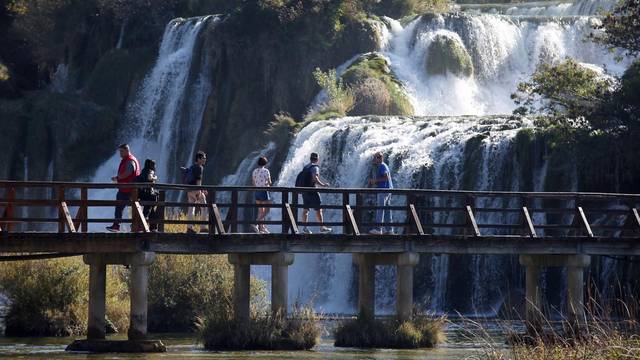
column 304, row 177
column 187, row 175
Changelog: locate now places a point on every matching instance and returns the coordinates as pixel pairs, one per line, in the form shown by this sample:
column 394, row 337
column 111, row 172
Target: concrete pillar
column 366, row 285
column 241, row 288
column 97, row 292
column 279, row 286
column 532, row 294
column 404, row 295
column 138, row 288
column 575, row 294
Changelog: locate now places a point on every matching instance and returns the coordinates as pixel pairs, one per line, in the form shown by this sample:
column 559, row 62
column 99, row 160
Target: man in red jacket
column 128, row 171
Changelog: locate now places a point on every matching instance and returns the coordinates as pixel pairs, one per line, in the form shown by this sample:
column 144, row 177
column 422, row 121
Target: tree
column 620, row 28
column 567, row 88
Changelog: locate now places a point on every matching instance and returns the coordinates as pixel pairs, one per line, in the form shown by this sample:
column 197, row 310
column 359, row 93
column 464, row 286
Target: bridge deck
column 430, row 221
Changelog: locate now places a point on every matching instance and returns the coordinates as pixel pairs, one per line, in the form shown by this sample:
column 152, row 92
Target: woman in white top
column 261, row 177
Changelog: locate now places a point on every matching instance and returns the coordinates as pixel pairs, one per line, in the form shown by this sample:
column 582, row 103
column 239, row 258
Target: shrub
column 50, row 297
column 263, row 331
column 340, row 98
column 372, row 333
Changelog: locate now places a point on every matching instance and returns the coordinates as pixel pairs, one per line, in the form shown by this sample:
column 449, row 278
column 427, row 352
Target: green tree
column 567, row 88
column 620, row 28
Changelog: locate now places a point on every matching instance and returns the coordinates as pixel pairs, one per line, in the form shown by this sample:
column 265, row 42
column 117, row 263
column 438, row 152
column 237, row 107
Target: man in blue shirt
column 382, row 180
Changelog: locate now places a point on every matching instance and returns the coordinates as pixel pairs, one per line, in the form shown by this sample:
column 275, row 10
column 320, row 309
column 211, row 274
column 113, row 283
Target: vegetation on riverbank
column 50, row 297
column 299, row 330
column 365, row 332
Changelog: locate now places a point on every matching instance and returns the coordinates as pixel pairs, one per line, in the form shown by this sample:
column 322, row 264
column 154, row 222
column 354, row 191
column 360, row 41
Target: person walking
column 128, row 171
column 261, row 177
column 193, row 176
column 310, row 177
column 149, row 194
column 382, row 180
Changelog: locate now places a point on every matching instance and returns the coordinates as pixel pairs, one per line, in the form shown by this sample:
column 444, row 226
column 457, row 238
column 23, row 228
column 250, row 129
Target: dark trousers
column 150, row 211
column 121, row 196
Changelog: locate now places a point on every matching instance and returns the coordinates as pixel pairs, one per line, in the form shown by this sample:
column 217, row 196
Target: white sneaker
column 325, row 230
column 307, row 231
column 255, row 229
column 264, row 231
column 375, row 232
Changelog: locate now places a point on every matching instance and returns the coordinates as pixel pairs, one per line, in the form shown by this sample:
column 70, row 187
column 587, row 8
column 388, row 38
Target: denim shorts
column 262, row 196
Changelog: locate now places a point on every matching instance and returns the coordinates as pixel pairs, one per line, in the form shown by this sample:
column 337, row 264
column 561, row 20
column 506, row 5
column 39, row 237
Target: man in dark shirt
column 197, row 196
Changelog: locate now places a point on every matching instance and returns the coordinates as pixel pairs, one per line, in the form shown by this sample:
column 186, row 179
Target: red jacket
column 123, row 167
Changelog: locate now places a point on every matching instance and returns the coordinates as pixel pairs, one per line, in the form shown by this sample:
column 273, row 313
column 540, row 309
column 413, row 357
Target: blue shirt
column 382, row 170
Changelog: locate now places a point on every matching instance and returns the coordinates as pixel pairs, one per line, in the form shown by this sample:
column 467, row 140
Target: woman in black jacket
column 148, row 175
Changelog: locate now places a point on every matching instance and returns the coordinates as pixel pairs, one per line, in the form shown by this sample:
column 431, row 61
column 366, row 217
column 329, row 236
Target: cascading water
column 445, row 152
column 166, row 114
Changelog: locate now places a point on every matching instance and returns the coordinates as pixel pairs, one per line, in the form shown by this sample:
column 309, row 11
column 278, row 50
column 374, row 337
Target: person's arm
column 269, row 178
column 385, row 177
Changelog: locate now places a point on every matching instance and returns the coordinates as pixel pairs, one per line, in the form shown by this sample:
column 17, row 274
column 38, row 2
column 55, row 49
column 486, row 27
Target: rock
column 447, row 54
column 118, row 346
column 376, row 89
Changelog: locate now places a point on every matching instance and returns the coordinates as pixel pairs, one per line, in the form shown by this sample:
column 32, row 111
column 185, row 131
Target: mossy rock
column 376, row 88
column 447, row 54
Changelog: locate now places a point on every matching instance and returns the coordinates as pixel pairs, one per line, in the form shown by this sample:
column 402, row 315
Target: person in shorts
column 261, row 177
column 311, row 199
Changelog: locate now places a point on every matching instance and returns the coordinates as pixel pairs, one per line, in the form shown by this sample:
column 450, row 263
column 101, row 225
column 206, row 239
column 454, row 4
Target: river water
column 463, row 342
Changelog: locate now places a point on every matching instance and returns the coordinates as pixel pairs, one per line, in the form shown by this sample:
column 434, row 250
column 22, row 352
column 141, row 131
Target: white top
column 261, row 176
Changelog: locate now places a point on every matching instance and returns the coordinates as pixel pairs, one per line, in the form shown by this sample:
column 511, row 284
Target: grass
column 366, row 332
column 263, row 331
column 50, row 297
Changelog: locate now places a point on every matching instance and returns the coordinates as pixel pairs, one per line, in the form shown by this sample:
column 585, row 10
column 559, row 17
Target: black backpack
column 187, row 175
column 304, row 177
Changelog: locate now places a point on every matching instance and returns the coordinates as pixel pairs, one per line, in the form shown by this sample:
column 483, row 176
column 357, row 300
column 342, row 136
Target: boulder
column 447, row 54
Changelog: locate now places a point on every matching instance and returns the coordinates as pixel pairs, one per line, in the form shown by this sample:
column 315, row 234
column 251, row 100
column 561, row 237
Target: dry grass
column 365, row 332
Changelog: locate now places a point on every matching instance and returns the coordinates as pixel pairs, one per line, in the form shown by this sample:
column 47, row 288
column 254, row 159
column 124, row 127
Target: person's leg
column 380, row 202
column 120, row 196
column 204, row 212
column 261, row 215
column 191, row 210
column 388, row 218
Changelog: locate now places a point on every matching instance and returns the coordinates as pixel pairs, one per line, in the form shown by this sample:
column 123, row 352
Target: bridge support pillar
column 138, row 288
column 279, row 280
column 96, row 327
column 404, row 263
column 575, row 265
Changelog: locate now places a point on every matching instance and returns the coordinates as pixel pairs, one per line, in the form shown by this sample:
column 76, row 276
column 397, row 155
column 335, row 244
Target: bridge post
column 575, row 287
column 96, row 326
column 366, row 284
column 404, row 295
column 138, row 288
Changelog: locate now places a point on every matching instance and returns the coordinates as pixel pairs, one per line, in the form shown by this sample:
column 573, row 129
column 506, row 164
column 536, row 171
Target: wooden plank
column 352, row 220
column 346, row 224
column 585, row 223
column 529, row 223
column 160, row 211
column 214, row 213
column 61, row 215
column 233, row 213
column 291, row 219
column 415, row 220
column 472, row 221
column 636, row 216
column 64, row 211
column 284, row 200
column 142, row 224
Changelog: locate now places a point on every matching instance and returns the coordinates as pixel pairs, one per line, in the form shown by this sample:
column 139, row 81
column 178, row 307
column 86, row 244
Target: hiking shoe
column 375, row 232
column 307, row 231
column 114, row 228
column 325, row 230
column 389, row 232
column 264, row 231
column 191, row 231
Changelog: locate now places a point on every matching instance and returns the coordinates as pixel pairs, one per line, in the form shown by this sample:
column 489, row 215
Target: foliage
column 50, row 297
column 372, row 333
column 448, row 54
column 4, row 73
column 620, row 28
column 628, row 95
column 281, row 129
column 401, row 8
column 376, row 89
column 340, row 98
column 567, row 89
column 264, row 330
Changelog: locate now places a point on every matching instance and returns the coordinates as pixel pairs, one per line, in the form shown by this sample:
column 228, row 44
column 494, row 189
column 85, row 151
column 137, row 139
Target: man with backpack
column 128, row 172
column 310, row 177
column 193, row 176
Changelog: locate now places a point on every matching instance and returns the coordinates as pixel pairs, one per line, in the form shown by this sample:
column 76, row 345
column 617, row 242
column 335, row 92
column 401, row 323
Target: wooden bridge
column 52, row 219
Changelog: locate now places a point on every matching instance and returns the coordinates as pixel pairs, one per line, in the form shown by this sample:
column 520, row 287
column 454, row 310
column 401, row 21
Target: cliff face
column 260, row 73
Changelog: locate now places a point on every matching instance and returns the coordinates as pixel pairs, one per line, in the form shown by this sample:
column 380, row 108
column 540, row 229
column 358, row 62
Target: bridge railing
column 83, row 207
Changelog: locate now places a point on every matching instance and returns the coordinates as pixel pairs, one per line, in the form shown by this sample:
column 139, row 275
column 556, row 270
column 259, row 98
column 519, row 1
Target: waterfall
column 504, row 50
column 165, row 116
